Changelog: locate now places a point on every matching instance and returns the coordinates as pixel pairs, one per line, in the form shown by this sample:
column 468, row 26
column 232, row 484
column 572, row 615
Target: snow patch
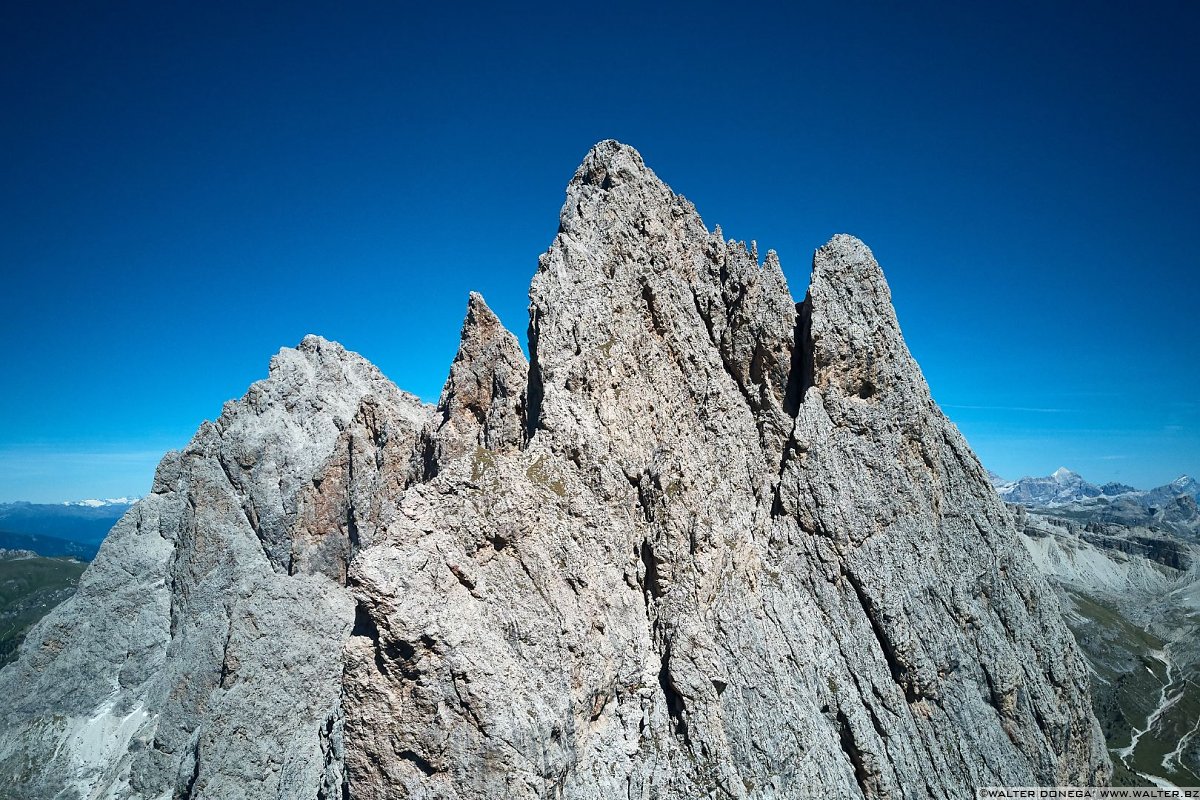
column 109, row 501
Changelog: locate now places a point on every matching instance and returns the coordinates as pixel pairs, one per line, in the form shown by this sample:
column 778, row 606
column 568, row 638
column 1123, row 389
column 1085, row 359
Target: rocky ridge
column 705, row 542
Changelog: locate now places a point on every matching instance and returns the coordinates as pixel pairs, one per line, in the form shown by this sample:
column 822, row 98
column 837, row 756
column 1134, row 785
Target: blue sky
column 186, row 188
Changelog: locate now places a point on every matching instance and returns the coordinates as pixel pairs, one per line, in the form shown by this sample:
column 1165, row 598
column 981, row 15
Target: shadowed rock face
column 704, row 541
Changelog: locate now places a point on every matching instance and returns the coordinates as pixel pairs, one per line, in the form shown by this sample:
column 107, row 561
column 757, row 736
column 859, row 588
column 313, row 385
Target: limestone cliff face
column 705, row 542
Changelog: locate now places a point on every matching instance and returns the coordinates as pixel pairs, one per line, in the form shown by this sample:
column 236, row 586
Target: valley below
column 30, row 587
column 1131, row 596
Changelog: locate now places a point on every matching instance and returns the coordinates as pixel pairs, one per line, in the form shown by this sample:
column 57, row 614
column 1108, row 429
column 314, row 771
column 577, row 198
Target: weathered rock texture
column 705, row 543
column 201, row 656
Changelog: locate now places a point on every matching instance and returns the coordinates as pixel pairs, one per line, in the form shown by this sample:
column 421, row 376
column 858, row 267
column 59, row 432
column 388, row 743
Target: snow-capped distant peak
column 1064, row 487
column 109, row 501
column 1061, row 487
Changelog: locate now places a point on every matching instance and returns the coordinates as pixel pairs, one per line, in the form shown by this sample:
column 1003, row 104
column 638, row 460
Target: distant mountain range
column 1065, row 486
column 73, row 529
column 1172, row 506
column 112, row 501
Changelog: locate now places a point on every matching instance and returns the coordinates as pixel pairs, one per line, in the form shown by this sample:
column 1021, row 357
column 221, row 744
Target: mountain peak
column 481, row 322
column 559, row 579
column 855, row 337
column 483, row 400
column 609, row 164
column 1060, row 487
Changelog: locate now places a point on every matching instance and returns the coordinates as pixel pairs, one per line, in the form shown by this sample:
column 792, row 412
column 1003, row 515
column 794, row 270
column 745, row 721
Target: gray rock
column 10, row 554
column 705, row 543
column 482, row 404
column 200, row 656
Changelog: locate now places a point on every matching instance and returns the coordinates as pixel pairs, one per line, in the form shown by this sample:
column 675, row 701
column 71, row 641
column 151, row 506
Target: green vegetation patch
column 538, row 474
column 481, row 463
column 29, row 589
column 1126, row 689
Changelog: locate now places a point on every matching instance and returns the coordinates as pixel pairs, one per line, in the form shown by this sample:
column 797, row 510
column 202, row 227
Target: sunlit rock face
column 705, row 542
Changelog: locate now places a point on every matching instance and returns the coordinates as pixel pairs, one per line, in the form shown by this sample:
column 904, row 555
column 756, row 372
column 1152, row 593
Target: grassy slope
column 29, row 589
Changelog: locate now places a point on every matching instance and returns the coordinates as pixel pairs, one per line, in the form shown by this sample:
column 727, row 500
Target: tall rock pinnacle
column 705, row 543
column 483, row 402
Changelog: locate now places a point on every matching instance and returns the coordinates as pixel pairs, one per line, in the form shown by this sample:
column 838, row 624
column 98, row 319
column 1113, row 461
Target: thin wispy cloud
column 1032, row 409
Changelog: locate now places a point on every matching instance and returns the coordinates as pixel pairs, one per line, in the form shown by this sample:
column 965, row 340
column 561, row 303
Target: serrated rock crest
column 706, row 540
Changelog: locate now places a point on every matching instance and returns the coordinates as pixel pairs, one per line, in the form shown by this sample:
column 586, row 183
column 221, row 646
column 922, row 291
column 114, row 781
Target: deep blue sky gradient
column 186, row 188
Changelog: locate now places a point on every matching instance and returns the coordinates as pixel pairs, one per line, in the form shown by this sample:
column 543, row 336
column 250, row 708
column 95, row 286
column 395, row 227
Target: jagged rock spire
column 627, row 245
column 483, row 401
column 857, row 347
